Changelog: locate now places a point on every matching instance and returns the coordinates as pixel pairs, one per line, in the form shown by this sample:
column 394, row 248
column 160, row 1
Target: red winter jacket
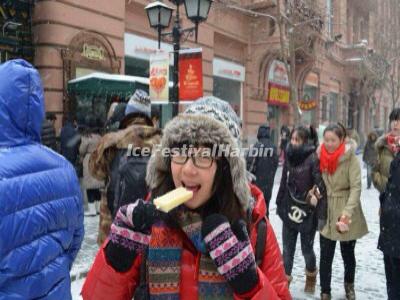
column 103, row 282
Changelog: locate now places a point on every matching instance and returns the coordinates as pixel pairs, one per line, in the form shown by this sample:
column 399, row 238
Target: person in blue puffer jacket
column 41, row 211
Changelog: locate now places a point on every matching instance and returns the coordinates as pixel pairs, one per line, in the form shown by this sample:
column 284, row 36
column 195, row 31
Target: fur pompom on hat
column 208, row 121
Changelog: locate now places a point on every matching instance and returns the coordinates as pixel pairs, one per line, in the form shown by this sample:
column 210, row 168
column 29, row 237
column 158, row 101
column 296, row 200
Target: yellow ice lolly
column 173, row 199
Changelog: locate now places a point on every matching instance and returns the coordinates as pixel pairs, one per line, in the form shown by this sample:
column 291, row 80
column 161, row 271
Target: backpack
column 130, row 180
column 251, row 161
column 142, row 290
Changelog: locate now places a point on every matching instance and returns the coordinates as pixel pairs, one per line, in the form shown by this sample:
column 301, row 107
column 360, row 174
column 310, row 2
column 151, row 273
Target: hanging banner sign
column 278, row 84
column 278, row 95
column 159, row 77
column 190, row 74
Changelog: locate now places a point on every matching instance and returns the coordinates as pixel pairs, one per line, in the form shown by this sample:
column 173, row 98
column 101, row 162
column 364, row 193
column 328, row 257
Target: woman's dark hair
column 338, row 129
column 307, row 134
column 394, row 115
column 223, row 199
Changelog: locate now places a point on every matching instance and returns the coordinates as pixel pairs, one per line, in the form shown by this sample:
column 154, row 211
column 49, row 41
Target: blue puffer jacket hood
column 41, row 211
column 21, row 104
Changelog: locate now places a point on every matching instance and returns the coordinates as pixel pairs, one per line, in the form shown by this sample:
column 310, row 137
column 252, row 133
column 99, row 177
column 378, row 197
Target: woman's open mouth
column 191, row 187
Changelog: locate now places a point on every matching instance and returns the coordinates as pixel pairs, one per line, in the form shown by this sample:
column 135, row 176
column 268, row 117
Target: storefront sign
column 278, row 74
column 93, row 52
column 190, row 74
column 307, row 103
column 141, row 48
column 310, row 92
column 278, row 95
column 229, row 70
column 278, row 84
column 159, row 76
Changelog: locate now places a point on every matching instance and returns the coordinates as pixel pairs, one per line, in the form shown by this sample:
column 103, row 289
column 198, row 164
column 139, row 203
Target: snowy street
column 370, row 276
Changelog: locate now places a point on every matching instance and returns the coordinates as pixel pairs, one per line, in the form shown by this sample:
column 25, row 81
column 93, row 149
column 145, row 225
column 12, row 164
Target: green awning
column 101, row 84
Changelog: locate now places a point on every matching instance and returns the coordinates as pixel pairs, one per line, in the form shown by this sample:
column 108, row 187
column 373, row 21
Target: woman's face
column 395, row 127
column 199, row 180
column 331, row 141
column 296, row 140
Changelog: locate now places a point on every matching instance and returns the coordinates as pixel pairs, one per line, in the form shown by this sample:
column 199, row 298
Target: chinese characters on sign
column 190, row 74
column 159, row 77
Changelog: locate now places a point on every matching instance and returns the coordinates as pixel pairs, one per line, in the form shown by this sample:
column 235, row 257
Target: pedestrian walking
column 124, row 170
column 301, row 201
column 69, row 142
column 189, row 249
column 89, row 141
column 370, row 156
column 389, row 238
column 284, row 140
column 346, row 222
column 385, row 176
column 41, row 215
column 386, row 147
column 262, row 161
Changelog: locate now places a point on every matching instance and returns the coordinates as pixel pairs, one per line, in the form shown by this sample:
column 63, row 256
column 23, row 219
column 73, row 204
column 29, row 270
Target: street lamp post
column 159, row 15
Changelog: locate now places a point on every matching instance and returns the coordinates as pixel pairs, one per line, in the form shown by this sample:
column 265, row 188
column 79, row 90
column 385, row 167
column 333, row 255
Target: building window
column 324, row 108
column 228, row 90
column 329, row 13
column 333, row 107
column 345, row 110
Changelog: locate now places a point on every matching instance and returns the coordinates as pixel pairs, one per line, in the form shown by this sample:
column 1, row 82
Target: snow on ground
column 370, row 276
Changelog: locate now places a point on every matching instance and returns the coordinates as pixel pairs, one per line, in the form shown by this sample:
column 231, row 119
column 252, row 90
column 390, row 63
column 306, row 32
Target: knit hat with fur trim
column 139, row 103
column 208, row 121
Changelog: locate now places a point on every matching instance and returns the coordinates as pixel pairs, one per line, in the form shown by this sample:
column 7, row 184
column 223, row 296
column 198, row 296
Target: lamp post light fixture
column 159, row 15
column 10, row 25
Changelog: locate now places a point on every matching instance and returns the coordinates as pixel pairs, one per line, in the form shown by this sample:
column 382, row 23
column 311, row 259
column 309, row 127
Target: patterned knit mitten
column 230, row 249
column 130, row 233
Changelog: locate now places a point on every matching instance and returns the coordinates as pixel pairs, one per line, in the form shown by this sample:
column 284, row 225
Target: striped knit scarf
column 164, row 261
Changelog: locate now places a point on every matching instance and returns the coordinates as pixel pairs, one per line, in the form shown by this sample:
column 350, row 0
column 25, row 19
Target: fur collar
column 381, row 143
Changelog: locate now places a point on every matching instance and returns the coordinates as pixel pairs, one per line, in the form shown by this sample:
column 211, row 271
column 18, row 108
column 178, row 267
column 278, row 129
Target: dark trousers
column 392, row 270
column 93, row 195
column 289, row 237
column 327, row 254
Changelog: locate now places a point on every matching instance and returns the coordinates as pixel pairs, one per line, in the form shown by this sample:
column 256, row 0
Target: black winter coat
column 69, row 143
column 265, row 166
column 49, row 135
column 300, row 173
column 389, row 237
column 370, row 155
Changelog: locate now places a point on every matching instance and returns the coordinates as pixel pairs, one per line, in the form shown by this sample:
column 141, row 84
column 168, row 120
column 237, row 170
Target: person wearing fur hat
column 301, row 201
column 385, row 178
column 124, row 176
column 346, row 223
column 203, row 249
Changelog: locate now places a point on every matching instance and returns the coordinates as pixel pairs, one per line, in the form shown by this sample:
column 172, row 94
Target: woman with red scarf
column 346, row 223
column 385, row 178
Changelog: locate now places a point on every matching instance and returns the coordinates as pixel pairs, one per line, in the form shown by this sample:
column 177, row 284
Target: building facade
column 242, row 49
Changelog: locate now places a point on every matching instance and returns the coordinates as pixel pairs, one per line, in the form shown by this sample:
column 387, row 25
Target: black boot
column 349, row 289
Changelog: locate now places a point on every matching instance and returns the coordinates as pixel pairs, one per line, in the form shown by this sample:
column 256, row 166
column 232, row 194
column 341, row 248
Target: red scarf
column 393, row 143
column 328, row 162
